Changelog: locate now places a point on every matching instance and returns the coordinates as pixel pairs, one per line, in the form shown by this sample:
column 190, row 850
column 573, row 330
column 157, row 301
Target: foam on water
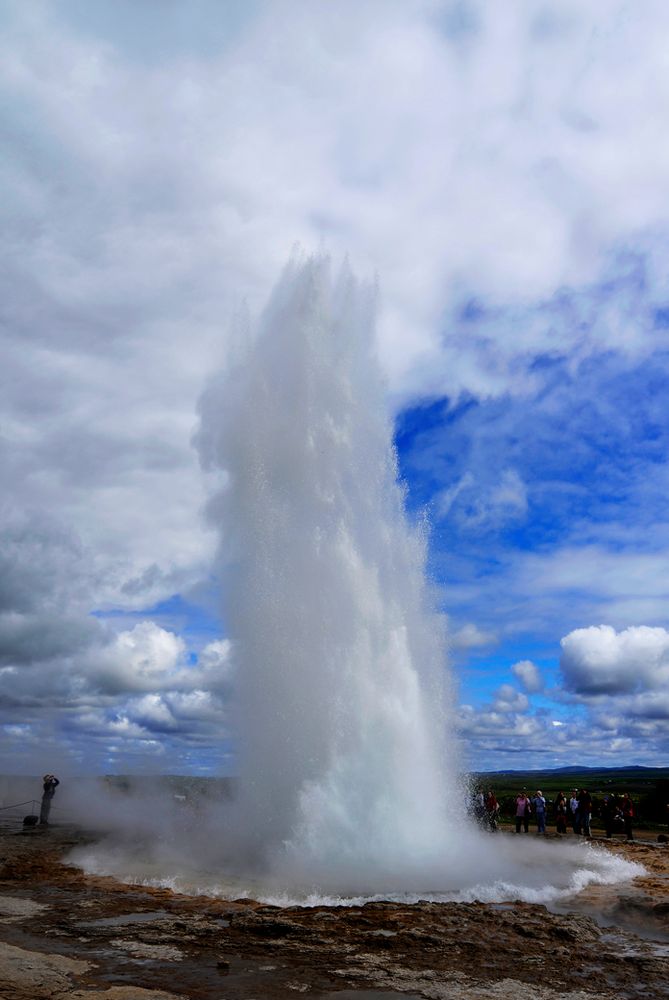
column 532, row 872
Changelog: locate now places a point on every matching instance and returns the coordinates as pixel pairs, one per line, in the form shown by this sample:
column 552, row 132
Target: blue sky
column 570, row 472
column 502, row 170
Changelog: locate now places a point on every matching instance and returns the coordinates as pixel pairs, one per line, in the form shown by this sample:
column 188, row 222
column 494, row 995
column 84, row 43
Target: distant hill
column 580, row 769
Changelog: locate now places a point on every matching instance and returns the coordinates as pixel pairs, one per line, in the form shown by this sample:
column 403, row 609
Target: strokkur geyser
column 348, row 777
column 344, row 759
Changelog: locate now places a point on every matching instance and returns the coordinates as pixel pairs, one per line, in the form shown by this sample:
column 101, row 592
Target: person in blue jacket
column 539, row 803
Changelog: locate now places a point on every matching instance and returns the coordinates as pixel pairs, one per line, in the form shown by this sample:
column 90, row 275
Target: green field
column 648, row 787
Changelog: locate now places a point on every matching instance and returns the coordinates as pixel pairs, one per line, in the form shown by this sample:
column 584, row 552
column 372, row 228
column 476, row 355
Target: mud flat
column 64, row 934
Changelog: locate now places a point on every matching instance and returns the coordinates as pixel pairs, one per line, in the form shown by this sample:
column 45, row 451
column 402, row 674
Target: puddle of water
column 654, row 948
column 632, row 912
column 121, row 919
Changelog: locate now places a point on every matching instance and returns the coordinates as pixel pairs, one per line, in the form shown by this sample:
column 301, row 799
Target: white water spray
column 344, row 757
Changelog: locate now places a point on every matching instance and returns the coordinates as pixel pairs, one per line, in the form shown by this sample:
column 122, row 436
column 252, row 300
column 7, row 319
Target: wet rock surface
column 67, row 935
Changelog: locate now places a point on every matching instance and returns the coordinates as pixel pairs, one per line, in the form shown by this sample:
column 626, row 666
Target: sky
column 502, row 170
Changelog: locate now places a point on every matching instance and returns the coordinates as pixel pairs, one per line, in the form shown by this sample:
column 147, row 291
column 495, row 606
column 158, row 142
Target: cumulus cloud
column 599, row 660
column 529, row 675
column 491, row 728
column 470, row 636
column 71, row 682
column 614, row 701
column 143, row 658
column 509, row 699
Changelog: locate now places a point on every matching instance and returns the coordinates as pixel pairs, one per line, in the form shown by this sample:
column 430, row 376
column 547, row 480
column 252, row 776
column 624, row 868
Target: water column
column 344, row 755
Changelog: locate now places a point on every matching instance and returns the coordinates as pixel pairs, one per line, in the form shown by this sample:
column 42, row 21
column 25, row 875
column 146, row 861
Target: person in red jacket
column 492, row 809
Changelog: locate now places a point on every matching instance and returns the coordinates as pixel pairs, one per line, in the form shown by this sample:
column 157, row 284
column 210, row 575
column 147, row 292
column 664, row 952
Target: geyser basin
column 534, row 872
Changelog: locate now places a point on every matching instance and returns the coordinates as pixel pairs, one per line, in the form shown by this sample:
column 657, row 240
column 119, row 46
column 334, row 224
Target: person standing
column 539, row 803
column 523, row 810
column 479, row 806
column 51, row 782
column 492, row 810
column 573, row 805
column 628, row 816
column 584, row 811
column 561, row 813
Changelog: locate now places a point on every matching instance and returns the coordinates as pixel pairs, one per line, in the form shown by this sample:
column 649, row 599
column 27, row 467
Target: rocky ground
column 69, row 936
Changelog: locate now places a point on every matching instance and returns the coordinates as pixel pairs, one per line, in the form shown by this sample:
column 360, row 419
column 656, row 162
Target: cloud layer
column 501, row 167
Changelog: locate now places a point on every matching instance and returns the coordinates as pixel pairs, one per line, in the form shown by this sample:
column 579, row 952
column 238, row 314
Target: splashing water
column 349, row 786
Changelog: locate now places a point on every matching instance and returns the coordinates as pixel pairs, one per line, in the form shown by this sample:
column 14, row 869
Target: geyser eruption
column 344, row 761
column 348, row 783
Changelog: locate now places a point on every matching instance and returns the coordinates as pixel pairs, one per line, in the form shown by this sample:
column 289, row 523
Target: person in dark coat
column 584, row 811
column 608, row 814
column 561, row 813
column 628, row 816
column 51, row 782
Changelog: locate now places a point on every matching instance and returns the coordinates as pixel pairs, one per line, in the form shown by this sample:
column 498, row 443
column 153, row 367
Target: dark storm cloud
column 32, row 638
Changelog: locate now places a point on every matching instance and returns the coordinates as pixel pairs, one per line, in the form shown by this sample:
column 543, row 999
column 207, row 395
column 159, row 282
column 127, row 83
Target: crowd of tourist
column 573, row 812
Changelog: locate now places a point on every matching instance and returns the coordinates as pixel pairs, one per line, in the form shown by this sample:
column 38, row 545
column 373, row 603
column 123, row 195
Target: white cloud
column 615, row 701
column 474, row 503
column 525, row 740
column 444, row 500
column 144, row 658
column 599, row 660
column 625, row 580
column 470, row 636
column 509, row 699
column 504, row 727
column 510, row 494
column 529, row 675
column 621, row 578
